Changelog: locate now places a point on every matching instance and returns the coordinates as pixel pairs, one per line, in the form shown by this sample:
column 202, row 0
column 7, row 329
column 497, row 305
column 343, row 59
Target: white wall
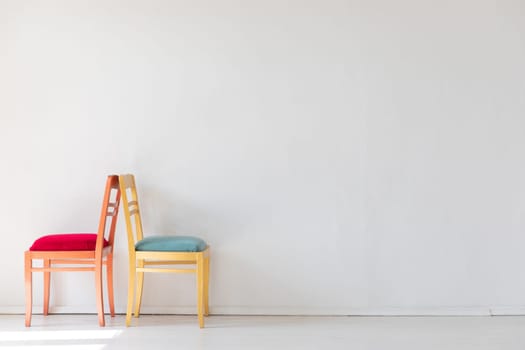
column 345, row 157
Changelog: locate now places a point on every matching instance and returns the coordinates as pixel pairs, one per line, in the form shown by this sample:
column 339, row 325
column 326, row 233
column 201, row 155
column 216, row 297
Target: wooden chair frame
column 158, row 261
column 54, row 261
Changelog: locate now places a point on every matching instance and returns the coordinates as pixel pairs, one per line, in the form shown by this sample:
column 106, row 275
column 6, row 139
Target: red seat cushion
column 67, row 241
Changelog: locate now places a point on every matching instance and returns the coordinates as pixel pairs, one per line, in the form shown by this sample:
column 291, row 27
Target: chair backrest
column 130, row 201
column 109, row 214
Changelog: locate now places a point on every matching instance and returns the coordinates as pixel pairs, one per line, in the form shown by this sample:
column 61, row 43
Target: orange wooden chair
column 64, row 252
column 160, row 254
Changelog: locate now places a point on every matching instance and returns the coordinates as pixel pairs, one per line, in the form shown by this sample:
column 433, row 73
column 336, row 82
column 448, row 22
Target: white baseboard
column 287, row 310
column 391, row 311
column 507, row 311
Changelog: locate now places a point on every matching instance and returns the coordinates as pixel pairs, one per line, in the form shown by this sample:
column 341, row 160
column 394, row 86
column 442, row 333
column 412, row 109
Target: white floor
column 80, row 332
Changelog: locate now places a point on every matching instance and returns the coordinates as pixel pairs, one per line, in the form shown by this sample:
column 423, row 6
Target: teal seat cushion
column 171, row 244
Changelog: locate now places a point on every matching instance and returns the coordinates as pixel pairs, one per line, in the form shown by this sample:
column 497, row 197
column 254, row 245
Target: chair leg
column 131, row 289
column 200, row 289
column 47, row 283
column 28, row 274
column 109, row 276
column 99, row 293
column 206, row 285
column 140, row 286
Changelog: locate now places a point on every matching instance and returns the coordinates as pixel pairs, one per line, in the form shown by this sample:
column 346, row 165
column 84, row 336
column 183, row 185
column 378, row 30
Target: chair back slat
column 109, row 214
column 131, row 206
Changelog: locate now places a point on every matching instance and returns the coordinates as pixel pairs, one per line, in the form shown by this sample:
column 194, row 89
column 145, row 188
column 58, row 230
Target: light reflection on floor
column 54, row 346
column 31, row 339
column 59, row 335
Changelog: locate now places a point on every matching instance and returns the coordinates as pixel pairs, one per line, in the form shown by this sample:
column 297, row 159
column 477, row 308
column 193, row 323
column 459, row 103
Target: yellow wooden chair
column 65, row 252
column 160, row 254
